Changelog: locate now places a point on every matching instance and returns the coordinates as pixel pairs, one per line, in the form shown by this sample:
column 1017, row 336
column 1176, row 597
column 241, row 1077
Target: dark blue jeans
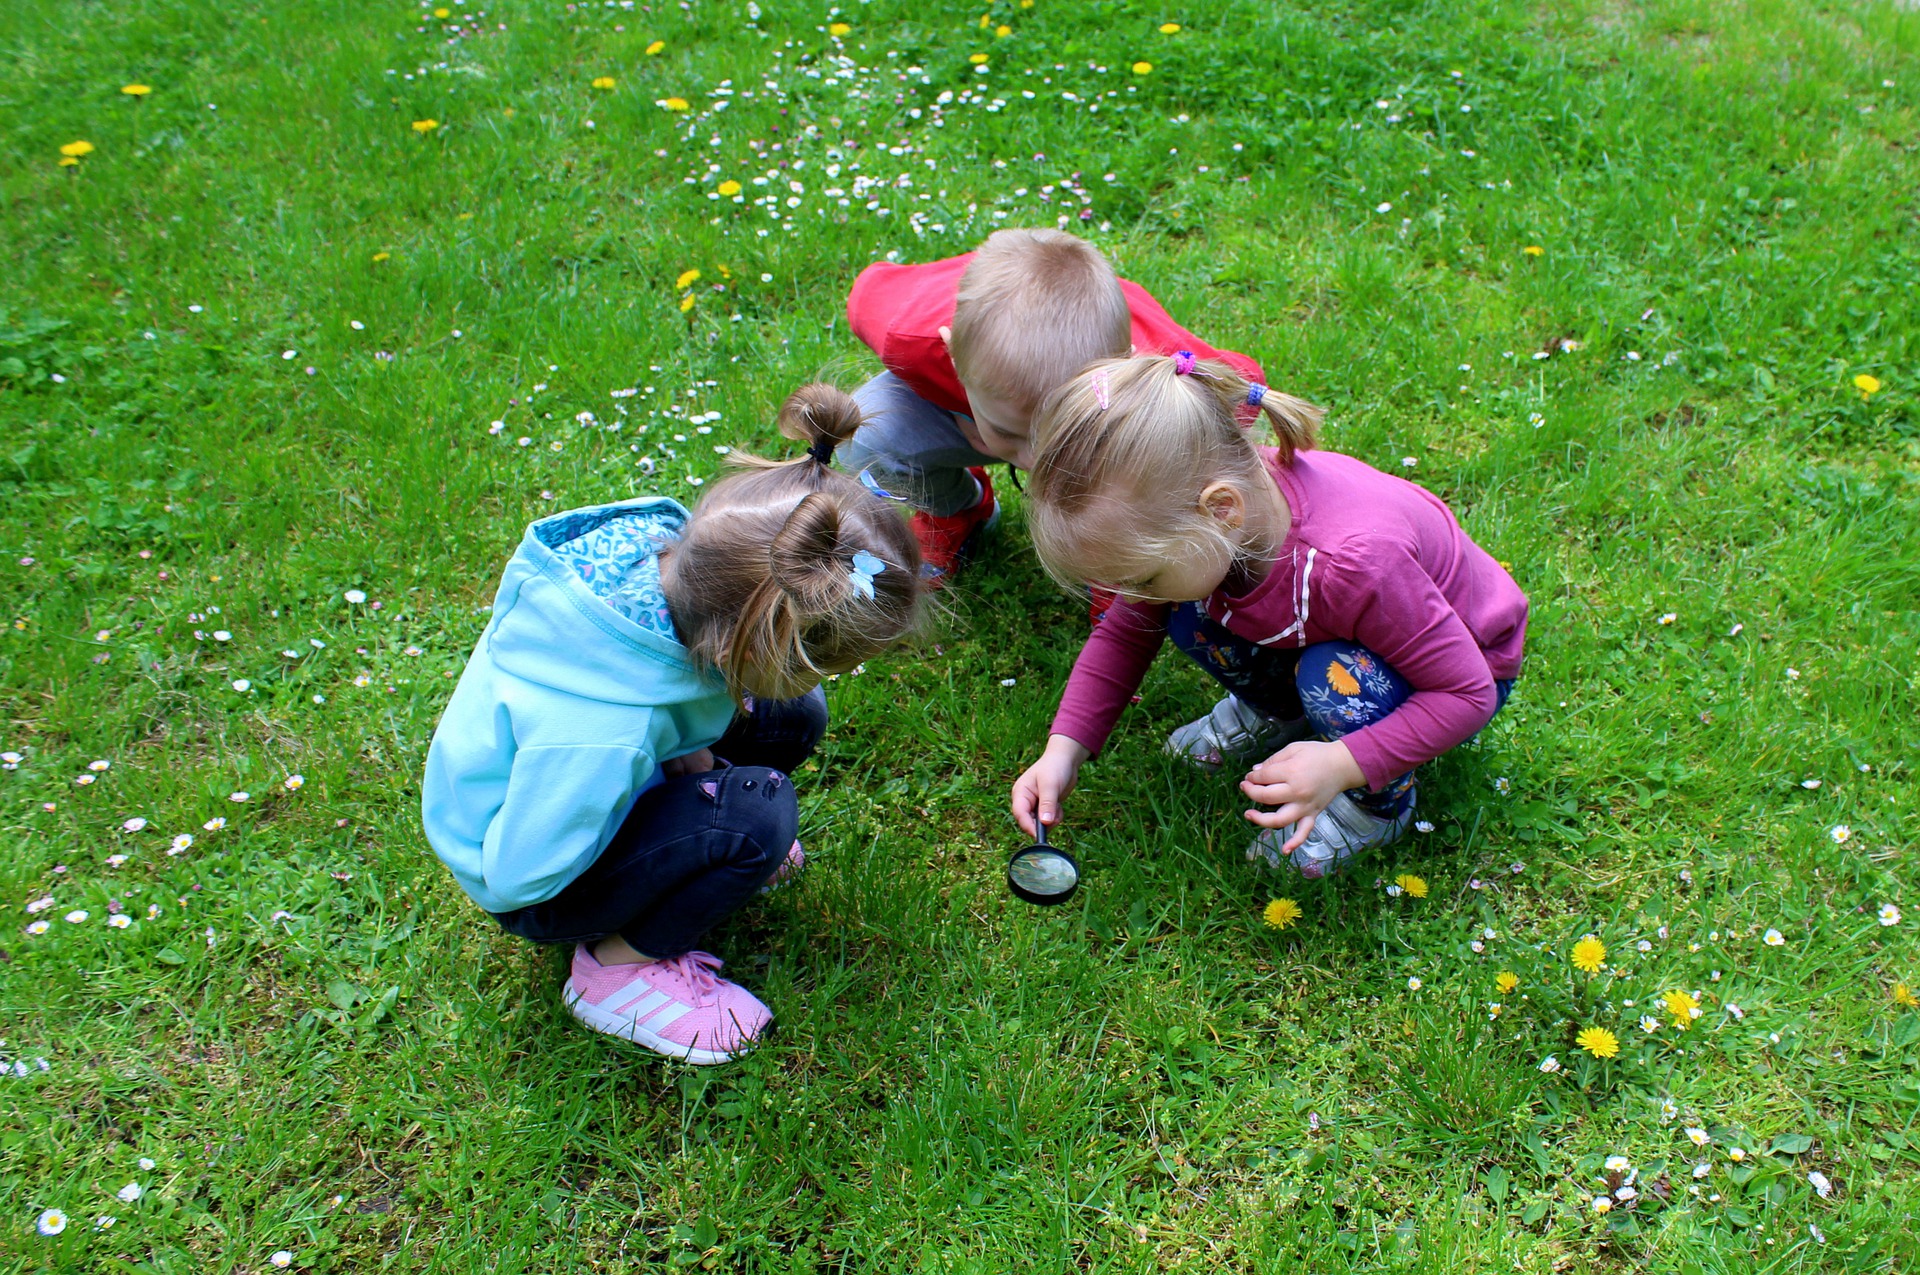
column 1337, row 686
column 695, row 847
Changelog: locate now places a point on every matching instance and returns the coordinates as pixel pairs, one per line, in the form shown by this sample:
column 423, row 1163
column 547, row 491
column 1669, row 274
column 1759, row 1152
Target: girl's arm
column 1398, row 612
column 1102, row 684
column 1109, row 671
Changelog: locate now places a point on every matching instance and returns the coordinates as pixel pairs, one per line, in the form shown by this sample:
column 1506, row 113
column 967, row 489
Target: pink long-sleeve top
column 1369, row 558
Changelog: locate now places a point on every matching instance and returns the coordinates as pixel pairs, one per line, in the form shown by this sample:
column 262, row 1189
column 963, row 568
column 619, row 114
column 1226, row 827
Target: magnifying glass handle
column 1039, row 832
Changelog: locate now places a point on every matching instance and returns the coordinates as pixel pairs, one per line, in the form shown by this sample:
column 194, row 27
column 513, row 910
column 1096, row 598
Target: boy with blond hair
column 971, row 344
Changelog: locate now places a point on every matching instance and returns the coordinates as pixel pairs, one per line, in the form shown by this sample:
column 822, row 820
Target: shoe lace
column 698, row 969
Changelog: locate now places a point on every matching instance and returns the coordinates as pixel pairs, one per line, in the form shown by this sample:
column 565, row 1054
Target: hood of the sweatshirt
column 551, row 627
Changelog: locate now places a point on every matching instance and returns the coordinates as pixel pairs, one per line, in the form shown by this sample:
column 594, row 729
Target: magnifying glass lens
column 1043, row 875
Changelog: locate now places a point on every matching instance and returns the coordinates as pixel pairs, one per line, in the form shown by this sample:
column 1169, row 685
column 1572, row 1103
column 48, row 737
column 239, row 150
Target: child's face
column 1002, row 428
column 1196, row 576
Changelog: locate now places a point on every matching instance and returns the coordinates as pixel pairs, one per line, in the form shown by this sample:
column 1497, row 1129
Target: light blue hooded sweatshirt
column 577, row 690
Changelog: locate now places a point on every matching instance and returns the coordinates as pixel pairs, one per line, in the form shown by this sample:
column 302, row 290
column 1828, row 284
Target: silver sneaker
column 1341, row 831
column 1233, row 731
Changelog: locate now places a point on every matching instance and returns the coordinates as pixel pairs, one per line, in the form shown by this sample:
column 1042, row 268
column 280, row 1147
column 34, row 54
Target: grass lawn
column 293, row 354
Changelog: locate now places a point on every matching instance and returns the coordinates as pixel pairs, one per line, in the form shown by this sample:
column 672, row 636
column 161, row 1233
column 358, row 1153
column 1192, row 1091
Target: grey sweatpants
column 911, row 451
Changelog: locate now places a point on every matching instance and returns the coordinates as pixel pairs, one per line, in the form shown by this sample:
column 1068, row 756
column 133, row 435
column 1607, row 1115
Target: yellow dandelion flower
column 840, row 28
column 1142, row 68
column 1416, row 887
column 1598, row 1041
column 1534, row 250
column 74, row 150
column 729, row 187
column 1168, row 28
column 425, row 126
column 1903, row 995
column 1002, row 31
column 443, row 13
column 674, row 103
column 655, row 47
column 687, row 279
column 1280, row 913
column 68, row 161
column 686, row 303
column 1867, row 385
column 381, row 256
column 986, row 20
column 1682, row 1006
column 603, row 81
column 978, row 59
column 135, row 90
column 1589, row 954
column 1026, row 4
column 1505, row 981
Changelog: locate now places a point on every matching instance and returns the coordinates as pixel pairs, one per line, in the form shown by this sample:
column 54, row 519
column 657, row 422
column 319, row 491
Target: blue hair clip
column 865, row 567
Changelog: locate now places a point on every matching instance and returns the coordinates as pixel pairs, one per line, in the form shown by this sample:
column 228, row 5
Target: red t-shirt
column 899, row 311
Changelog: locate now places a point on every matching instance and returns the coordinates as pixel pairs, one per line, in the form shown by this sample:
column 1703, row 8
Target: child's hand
column 1301, row 779
column 695, row 763
column 1046, row 782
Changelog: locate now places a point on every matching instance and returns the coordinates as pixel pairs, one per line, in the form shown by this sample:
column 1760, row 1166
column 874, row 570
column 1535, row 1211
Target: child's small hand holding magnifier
column 1300, row 780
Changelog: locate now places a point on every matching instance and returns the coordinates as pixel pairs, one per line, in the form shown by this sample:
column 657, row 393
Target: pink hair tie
column 1099, row 382
column 1182, row 362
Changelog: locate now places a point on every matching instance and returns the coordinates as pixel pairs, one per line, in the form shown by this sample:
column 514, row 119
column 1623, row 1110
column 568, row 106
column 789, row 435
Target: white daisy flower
column 1889, row 914
column 52, row 1222
column 129, row 1193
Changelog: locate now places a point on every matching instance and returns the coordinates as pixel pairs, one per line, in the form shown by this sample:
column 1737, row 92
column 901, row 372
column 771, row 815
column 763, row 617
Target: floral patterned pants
column 1337, row 686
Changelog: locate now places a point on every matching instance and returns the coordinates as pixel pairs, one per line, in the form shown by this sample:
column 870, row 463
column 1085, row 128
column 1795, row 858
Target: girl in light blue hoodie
column 612, row 770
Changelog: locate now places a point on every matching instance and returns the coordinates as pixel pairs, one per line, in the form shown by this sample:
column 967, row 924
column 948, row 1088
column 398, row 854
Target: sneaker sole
column 626, row 1029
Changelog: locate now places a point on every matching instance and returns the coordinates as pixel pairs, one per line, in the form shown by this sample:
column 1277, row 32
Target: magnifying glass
column 1041, row 874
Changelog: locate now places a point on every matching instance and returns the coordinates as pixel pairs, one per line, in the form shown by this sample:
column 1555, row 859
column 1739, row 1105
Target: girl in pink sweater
column 1357, row 629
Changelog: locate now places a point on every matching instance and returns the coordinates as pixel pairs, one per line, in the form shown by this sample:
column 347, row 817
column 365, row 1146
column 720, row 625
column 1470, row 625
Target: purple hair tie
column 1255, row 392
column 1182, row 362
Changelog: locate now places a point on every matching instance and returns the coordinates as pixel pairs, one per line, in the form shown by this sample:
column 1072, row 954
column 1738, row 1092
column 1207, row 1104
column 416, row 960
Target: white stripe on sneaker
column 667, row 1017
column 640, row 1006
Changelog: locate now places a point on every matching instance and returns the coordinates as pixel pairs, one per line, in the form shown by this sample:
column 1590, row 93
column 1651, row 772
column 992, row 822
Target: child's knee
column 760, row 809
column 1328, row 664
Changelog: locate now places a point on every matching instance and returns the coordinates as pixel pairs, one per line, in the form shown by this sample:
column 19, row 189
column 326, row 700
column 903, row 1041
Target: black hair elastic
column 822, row 451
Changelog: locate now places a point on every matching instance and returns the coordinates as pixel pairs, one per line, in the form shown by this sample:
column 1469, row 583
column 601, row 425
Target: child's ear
column 946, row 338
column 1226, row 503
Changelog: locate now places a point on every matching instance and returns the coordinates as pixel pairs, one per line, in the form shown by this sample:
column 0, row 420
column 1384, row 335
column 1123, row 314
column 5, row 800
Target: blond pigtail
column 792, row 571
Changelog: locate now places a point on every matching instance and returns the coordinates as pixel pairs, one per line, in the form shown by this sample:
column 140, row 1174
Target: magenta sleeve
column 1397, row 611
column 1108, row 672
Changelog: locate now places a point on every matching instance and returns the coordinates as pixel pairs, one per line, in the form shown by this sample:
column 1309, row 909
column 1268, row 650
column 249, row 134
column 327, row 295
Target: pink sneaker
column 676, row 1007
column 789, row 869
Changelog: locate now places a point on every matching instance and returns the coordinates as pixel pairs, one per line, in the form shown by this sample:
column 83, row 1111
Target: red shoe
column 1098, row 600
column 945, row 542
